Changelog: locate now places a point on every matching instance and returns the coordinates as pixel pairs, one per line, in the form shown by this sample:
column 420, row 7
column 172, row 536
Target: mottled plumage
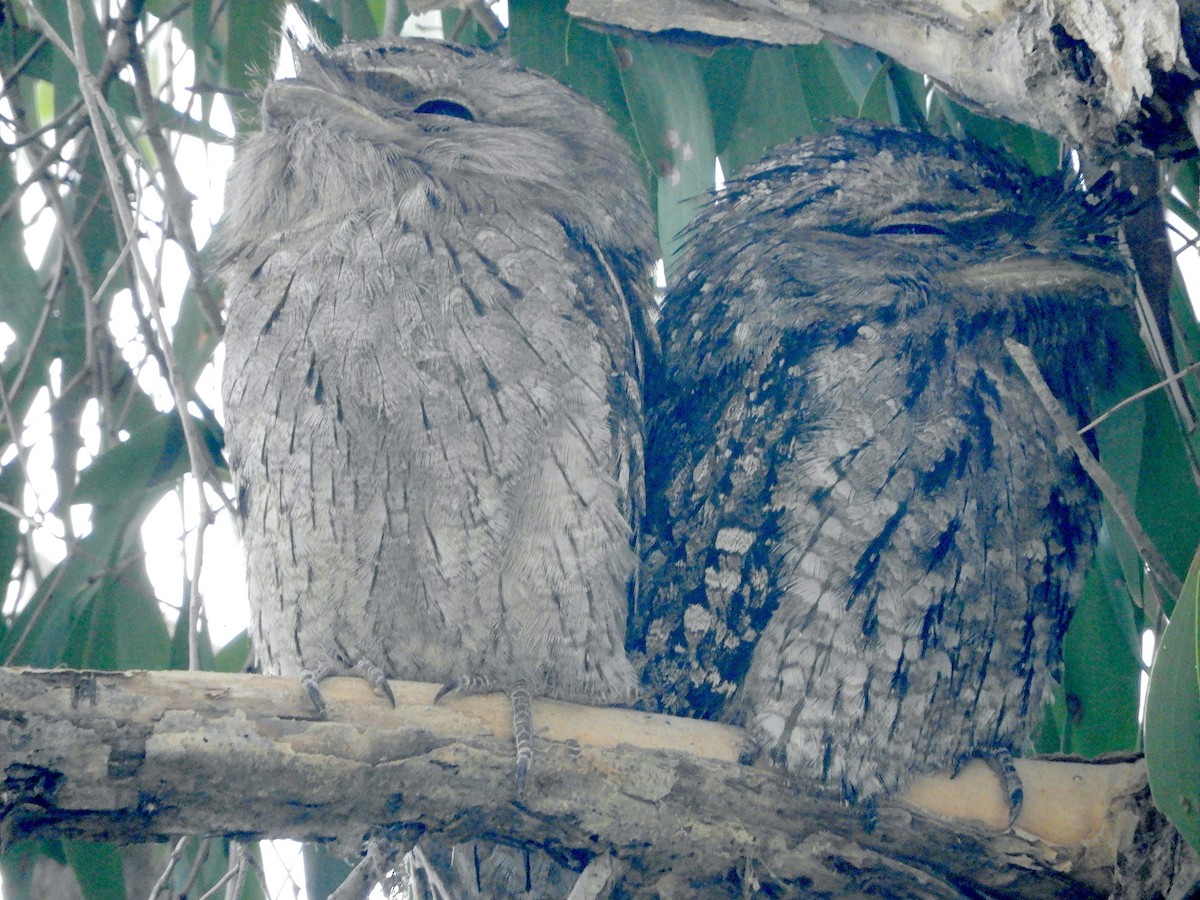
column 436, row 267
column 867, row 541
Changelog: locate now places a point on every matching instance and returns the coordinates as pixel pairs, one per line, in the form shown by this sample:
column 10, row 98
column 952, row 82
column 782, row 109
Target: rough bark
column 140, row 756
column 1098, row 73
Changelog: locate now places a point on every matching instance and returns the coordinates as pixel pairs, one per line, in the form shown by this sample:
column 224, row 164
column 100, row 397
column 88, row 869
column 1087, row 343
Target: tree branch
column 150, row 755
column 1078, row 70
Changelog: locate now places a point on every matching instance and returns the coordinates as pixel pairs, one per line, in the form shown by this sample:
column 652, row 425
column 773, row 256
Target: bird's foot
column 1001, row 762
column 310, row 680
column 520, row 698
column 467, row 684
column 521, row 701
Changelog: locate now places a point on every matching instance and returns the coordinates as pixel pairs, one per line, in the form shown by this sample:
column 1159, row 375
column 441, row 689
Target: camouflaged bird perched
column 867, row 542
column 437, row 276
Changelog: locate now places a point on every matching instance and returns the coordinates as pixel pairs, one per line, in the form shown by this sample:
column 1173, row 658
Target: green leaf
column 667, row 101
column 1102, row 677
column 909, row 90
column 858, row 67
column 1187, row 333
column 319, row 19
column 101, row 586
column 19, row 284
column 16, row 41
column 1120, row 440
column 233, row 656
column 1186, row 176
column 1142, row 448
column 193, row 337
column 324, row 870
column 1173, row 715
column 12, row 486
column 200, row 16
column 1039, row 152
column 121, row 626
column 825, row 92
column 725, row 75
column 86, row 590
column 758, row 103
column 1119, row 568
column 1167, row 500
column 98, row 869
column 358, row 23
column 154, row 455
column 17, row 865
column 880, row 102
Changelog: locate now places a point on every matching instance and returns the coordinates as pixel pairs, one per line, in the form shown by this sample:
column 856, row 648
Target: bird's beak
column 1029, row 274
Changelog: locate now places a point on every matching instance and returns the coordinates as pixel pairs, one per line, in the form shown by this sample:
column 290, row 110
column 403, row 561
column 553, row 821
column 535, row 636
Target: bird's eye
column 441, row 107
column 910, row 228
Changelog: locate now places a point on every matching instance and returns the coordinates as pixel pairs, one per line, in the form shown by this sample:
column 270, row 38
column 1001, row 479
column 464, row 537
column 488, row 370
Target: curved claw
column 465, row 684
column 310, row 681
column 311, row 678
column 375, row 677
column 450, row 687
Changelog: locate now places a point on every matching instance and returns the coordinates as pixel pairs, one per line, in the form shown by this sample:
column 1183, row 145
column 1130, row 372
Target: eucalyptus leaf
column 826, row 95
column 1102, row 676
column 766, row 108
column 98, row 869
column 667, row 101
column 234, row 655
column 1173, row 716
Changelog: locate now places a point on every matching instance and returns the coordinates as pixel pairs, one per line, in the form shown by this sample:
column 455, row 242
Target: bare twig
column 101, row 115
column 176, row 195
column 1112, row 493
column 1144, row 392
column 176, row 855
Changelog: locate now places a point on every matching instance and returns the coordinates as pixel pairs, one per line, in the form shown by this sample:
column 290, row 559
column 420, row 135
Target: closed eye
column 910, row 228
column 441, row 107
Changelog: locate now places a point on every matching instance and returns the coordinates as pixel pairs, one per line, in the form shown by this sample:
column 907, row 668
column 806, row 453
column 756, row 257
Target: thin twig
column 1112, row 493
column 177, row 197
column 1144, row 392
column 220, row 883
column 100, row 113
column 43, row 162
column 193, row 874
column 53, row 125
column 431, row 873
column 239, row 862
column 172, row 862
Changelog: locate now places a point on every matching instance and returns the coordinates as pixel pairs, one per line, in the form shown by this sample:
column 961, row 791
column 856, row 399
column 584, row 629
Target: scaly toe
column 311, row 678
column 375, row 677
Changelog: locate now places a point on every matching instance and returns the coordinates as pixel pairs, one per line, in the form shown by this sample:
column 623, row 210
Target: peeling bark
column 1101, row 74
column 139, row 756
